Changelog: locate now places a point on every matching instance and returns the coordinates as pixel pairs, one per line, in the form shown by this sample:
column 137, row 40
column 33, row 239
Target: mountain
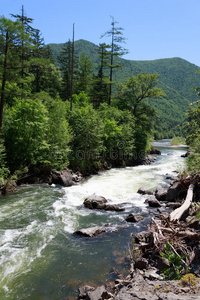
column 177, row 77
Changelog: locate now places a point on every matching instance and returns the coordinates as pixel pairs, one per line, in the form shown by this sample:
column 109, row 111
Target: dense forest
column 178, row 78
column 83, row 106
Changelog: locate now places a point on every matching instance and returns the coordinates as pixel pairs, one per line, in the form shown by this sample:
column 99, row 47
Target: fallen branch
column 177, row 213
column 175, row 252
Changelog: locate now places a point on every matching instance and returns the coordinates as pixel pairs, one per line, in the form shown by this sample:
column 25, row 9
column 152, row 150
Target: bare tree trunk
column 177, row 213
column 72, row 70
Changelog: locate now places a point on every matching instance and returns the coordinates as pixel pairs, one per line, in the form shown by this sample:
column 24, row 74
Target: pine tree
column 100, row 87
column 114, row 49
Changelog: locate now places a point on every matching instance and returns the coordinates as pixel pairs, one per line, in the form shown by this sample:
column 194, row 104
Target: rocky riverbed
column 146, row 279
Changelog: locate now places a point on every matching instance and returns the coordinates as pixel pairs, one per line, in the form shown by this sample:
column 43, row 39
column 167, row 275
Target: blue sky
column 154, row 29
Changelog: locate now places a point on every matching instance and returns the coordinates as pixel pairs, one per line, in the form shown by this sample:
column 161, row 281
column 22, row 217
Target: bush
column 177, row 140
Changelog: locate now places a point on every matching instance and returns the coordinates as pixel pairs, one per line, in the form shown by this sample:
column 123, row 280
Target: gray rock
column 113, row 207
column 162, row 263
column 134, row 218
column 152, row 274
column 95, row 202
column 141, row 263
column 143, row 191
column 83, row 291
column 64, row 178
column 152, row 201
column 160, row 194
column 90, row 232
column 99, row 202
column 97, row 293
column 174, row 191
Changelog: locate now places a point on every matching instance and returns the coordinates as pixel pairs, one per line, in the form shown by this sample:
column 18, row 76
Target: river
column 41, row 259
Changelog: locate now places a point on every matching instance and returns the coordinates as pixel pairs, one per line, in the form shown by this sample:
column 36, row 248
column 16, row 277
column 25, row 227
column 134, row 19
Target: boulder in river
column 160, row 194
column 64, row 178
column 143, row 191
column 133, row 218
column 90, row 232
column 175, row 191
column 99, row 202
column 95, row 202
column 155, row 151
column 152, row 202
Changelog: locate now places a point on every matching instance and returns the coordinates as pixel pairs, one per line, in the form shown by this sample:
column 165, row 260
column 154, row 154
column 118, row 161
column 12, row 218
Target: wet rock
column 99, row 202
column 64, row 178
column 155, row 151
column 77, row 177
column 95, row 202
column 113, row 207
column 149, row 159
column 9, row 187
column 186, row 154
column 134, row 218
column 152, row 202
column 143, row 191
column 175, row 191
column 90, row 232
column 160, row 194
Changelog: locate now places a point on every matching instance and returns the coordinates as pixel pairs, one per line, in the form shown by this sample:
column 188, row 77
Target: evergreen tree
column 114, row 50
column 100, row 88
column 84, row 75
column 10, row 34
column 68, row 68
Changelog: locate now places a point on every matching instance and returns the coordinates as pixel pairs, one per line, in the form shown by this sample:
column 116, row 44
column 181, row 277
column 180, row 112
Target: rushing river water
column 41, row 259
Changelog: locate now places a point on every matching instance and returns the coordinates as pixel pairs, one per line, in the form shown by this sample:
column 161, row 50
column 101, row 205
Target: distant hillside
column 177, row 78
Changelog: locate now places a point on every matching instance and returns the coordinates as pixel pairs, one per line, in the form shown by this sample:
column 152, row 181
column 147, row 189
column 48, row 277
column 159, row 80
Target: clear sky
column 153, row 28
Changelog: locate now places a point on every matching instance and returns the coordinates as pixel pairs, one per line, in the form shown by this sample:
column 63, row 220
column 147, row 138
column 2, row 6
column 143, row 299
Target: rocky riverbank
column 65, row 177
column 179, row 239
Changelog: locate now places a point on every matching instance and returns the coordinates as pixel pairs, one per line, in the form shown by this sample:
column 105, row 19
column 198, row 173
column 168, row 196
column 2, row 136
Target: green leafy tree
column 87, row 143
column 4, row 171
column 118, row 134
column 25, row 129
column 58, row 135
column 114, row 49
column 133, row 95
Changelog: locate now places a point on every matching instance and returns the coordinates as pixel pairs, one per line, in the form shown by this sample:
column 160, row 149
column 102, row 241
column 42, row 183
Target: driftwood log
column 177, row 213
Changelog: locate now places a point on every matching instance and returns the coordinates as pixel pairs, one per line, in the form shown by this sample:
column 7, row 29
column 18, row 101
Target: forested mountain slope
column 177, row 78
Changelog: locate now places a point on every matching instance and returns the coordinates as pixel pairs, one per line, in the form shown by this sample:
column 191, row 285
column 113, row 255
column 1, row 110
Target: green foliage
column 177, row 140
column 193, row 137
column 36, row 132
column 177, row 78
column 133, row 95
column 81, row 99
column 118, row 134
column 87, row 130
column 4, row 171
column 25, row 132
column 177, row 265
column 58, row 135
